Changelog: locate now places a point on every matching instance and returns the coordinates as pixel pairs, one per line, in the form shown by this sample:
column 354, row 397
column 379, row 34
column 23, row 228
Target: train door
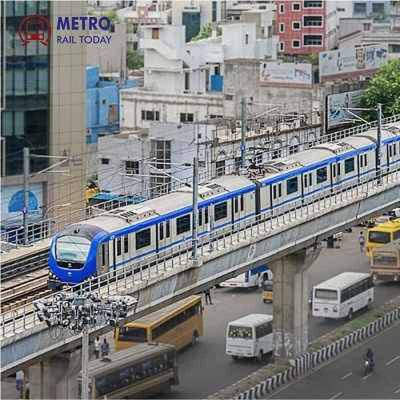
column 335, row 174
column 111, row 253
column 163, row 235
column 258, row 199
column 118, row 257
column 102, row 259
column 308, row 181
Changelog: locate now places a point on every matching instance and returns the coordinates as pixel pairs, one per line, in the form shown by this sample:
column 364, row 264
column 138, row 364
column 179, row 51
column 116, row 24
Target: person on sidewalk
column 19, row 382
column 97, row 346
column 105, row 348
column 208, row 296
column 361, row 241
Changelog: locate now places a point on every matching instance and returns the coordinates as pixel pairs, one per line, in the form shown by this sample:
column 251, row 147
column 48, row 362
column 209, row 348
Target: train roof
column 127, row 357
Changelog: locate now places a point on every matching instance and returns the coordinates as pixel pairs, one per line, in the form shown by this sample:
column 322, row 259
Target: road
column 206, row 368
column 344, row 378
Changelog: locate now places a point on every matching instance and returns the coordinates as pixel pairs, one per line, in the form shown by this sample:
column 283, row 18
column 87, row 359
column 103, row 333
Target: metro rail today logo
column 38, row 28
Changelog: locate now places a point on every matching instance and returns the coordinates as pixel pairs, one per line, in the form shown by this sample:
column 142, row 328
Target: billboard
column 12, row 203
column 352, row 59
column 335, row 105
column 286, row 73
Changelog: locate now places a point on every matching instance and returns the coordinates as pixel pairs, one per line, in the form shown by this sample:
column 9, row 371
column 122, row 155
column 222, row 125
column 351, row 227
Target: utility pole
column 27, row 160
column 378, row 142
column 85, row 362
column 243, row 130
column 195, row 190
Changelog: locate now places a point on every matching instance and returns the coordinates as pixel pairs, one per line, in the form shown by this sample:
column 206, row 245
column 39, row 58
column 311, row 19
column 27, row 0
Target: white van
column 250, row 336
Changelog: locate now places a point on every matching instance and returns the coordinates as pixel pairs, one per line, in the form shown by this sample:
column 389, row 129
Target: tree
column 134, row 60
column 384, row 88
column 112, row 16
column 206, row 32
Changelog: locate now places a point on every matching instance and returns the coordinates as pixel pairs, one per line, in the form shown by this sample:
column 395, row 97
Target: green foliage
column 134, row 60
column 383, row 88
column 206, row 32
column 112, row 16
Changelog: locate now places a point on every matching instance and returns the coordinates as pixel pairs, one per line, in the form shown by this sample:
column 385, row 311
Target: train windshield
column 72, row 249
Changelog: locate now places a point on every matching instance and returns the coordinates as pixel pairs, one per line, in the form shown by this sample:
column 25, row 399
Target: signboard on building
column 286, row 73
column 12, row 203
column 337, row 103
column 351, row 60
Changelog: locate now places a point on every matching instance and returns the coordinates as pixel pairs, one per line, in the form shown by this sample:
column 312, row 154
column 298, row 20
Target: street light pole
column 26, row 193
column 243, row 132
column 378, row 142
column 85, row 363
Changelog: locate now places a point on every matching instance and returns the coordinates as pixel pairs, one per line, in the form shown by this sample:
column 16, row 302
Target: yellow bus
column 385, row 262
column 179, row 324
column 382, row 234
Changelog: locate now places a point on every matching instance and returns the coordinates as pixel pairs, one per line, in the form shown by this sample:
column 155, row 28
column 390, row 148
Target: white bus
column 250, row 336
column 342, row 295
column 252, row 278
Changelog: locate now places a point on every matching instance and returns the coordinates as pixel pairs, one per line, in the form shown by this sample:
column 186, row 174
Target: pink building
column 306, row 26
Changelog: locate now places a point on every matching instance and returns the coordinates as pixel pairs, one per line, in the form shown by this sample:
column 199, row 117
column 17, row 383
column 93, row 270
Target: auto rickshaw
column 267, row 292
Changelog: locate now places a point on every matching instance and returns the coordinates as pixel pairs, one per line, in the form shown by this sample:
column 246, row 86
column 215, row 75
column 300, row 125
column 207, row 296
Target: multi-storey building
column 306, row 27
column 42, row 108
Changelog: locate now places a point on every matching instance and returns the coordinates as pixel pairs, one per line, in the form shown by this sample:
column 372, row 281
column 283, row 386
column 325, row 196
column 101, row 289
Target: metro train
column 124, row 235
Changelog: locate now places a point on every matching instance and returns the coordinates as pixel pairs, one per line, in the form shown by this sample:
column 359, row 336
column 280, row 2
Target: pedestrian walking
column 361, row 241
column 105, row 348
column 97, row 345
column 208, row 296
column 19, row 382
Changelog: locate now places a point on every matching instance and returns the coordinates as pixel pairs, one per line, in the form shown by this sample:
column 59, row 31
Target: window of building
column 113, row 116
column 214, row 11
column 187, row 80
column 159, row 185
column 312, row 20
column 312, row 40
column 296, row 6
column 292, row 185
column 322, row 175
column 143, row 239
column 281, row 8
column 155, row 33
column 394, row 48
column 378, row 8
column 160, row 152
column 220, row 211
column 366, row 27
column 349, row 165
column 281, row 27
column 132, row 167
column 312, row 4
column 150, row 115
column 183, row 224
column 220, row 168
column 360, row 8
column 296, row 44
column 296, row 25
column 186, row 117
column 105, row 161
column 281, row 46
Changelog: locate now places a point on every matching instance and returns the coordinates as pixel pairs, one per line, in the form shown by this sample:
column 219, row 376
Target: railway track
column 24, row 290
column 24, row 265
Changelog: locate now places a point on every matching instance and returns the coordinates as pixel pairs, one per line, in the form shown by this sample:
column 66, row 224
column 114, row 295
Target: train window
column 274, row 192
column 322, row 175
column 143, row 239
column 183, row 224
column 338, row 169
column 305, row 181
column 334, row 170
column 167, row 230
column 119, row 249
column 394, row 150
column 292, row 185
column 220, row 211
column 200, row 216
column 280, row 190
column 206, row 215
column 161, row 230
column 236, row 201
column 390, row 151
column 126, row 244
column 349, row 165
column 396, row 235
column 241, row 202
column 310, row 179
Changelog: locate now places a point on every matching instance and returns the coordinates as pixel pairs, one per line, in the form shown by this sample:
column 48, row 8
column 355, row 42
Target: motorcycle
column 368, row 367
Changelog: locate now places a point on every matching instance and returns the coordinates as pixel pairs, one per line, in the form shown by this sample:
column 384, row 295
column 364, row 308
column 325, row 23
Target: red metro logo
column 34, row 28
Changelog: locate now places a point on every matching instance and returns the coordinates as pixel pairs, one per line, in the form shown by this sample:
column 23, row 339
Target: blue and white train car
column 118, row 237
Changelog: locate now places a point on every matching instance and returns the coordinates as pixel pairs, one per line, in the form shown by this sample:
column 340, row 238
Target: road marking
column 337, row 395
column 366, row 377
column 393, row 360
column 397, row 390
column 347, row 375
